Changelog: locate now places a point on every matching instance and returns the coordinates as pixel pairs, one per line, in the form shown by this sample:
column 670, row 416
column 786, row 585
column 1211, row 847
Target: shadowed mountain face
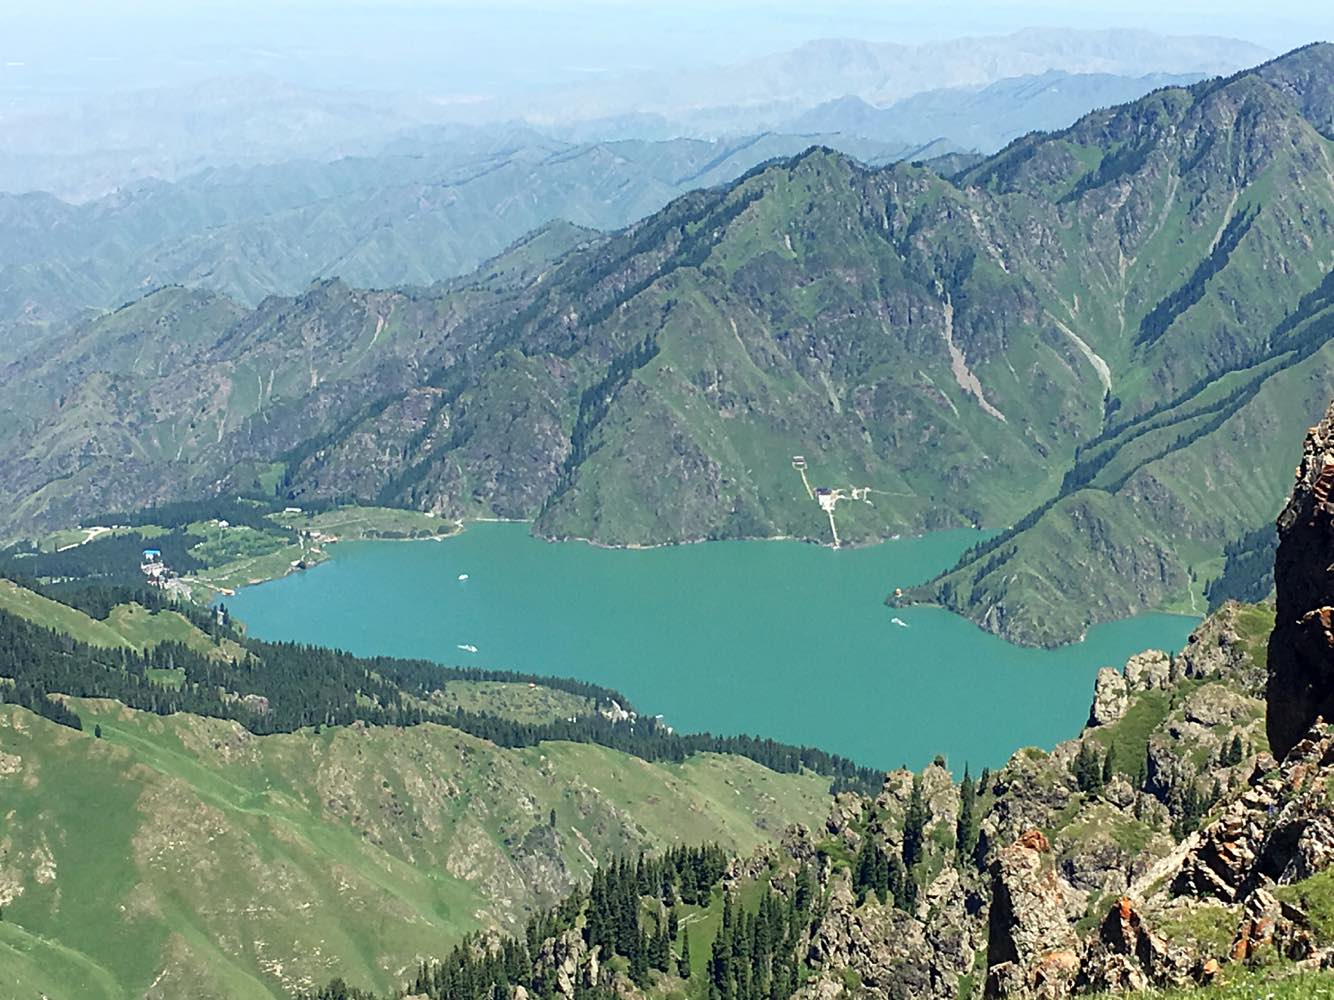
column 1083, row 335
column 1301, row 649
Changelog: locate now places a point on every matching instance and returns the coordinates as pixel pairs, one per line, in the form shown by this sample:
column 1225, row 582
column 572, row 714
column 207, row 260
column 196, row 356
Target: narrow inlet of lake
column 781, row 639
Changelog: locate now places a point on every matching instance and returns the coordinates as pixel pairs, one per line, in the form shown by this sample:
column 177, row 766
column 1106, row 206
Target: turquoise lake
column 784, row 639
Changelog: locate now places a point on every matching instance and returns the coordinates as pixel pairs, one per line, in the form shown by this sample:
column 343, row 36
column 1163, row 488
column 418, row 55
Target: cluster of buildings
column 158, row 574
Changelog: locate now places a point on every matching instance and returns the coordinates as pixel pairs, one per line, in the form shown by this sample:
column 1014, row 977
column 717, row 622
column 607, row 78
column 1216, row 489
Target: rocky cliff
column 1161, row 848
column 1301, row 649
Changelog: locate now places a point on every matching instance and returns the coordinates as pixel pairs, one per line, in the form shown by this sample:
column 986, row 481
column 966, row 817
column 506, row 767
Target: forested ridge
column 632, row 913
column 283, row 687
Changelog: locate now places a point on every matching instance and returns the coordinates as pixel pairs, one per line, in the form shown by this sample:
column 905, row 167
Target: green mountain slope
column 250, row 866
column 1072, row 336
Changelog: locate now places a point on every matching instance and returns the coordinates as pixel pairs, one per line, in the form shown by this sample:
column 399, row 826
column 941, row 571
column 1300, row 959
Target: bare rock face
column 565, row 959
column 1111, row 697
column 1279, row 830
column 1300, row 686
column 1032, row 948
column 1267, row 922
column 1220, row 862
column 847, row 811
column 859, row 938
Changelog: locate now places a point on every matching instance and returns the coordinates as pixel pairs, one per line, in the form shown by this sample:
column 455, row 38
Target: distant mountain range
column 438, row 200
column 762, row 92
column 1080, row 336
column 987, row 118
column 81, row 149
column 437, row 206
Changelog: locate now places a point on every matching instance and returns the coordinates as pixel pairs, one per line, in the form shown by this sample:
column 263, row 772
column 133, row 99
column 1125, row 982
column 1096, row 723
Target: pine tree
column 1109, row 765
column 965, row 834
column 639, row 960
column 914, row 824
column 1235, row 753
column 661, row 949
column 1087, row 769
column 882, row 891
column 898, row 880
column 805, row 892
column 864, row 876
column 910, row 889
column 683, row 964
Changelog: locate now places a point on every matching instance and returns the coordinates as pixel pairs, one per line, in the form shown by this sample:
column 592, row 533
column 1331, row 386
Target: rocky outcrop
column 1278, row 831
column 1301, row 650
column 566, row 962
column 1111, row 697
column 1217, row 650
column 1126, row 956
column 885, row 948
column 1149, row 671
column 1032, row 949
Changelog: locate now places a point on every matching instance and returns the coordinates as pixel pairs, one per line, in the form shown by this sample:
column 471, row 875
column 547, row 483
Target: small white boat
column 899, row 622
column 462, row 577
column 467, row 647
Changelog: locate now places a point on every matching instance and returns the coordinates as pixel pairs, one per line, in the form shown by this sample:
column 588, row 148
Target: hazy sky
column 453, row 46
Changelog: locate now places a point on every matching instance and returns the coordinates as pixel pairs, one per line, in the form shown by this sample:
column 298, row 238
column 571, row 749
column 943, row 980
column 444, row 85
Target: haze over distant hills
column 80, row 147
column 759, row 92
column 987, row 118
column 274, row 186
column 443, row 202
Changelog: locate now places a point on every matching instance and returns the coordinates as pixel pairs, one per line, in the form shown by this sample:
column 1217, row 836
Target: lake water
column 784, row 639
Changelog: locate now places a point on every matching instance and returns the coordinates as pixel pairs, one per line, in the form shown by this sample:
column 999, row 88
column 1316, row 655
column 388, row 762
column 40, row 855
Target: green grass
column 36, row 967
column 1241, row 984
column 369, row 522
column 531, row 703
column 128, row 625
column 240, row 555
column 1207, row 927
column 1129, row 735
column 54, row 615
column 1254, row 623
column 1315, row 895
